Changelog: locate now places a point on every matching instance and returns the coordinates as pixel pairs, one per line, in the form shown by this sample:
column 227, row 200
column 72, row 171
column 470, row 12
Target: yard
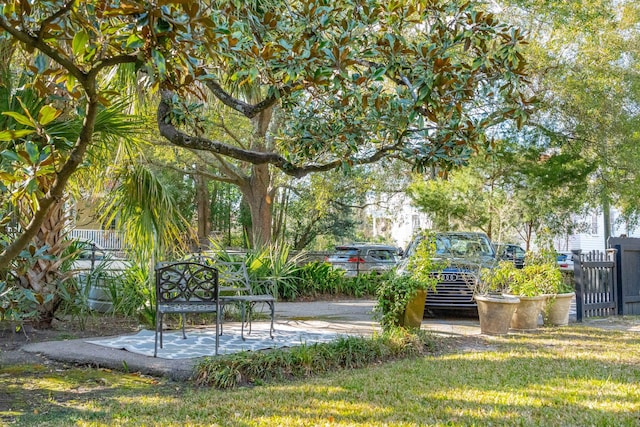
column 577, row 375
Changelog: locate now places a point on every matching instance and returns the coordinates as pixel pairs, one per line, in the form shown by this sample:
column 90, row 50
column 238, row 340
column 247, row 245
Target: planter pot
column 557, row 313
column 413, row 314
column 528, row 312
column 98, row 293
column 495, row 313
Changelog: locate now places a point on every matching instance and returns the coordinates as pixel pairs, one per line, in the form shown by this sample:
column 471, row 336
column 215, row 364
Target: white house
column 593, row 238
column 395, row 218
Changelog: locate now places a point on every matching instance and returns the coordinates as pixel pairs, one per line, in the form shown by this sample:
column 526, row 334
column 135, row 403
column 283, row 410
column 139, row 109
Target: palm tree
column 40, row 134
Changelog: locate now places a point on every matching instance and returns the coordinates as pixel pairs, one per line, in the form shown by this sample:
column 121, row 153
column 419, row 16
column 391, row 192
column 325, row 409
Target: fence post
column 614, row 254
column 93, row 256
column 579, row 284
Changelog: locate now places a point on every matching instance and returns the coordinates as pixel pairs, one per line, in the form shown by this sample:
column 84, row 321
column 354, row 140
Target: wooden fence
column 596, row 287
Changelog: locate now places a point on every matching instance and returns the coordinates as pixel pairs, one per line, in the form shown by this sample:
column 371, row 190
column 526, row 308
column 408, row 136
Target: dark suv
column 510, row 252
column 466, row 253
column 357, row 258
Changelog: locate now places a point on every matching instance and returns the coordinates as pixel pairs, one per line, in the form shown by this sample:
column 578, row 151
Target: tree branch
column 184, row 140
column 35, row 42
column 247, row 110
column 64, row 9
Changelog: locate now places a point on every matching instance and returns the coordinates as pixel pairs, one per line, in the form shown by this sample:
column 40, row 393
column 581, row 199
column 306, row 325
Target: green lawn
column 573, row 376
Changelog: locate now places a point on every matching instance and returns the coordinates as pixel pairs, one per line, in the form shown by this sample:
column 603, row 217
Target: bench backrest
column 186, row 282
column 233, row 276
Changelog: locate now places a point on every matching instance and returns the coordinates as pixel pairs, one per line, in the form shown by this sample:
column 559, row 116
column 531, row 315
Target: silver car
column 565, row 261
column 357, row 258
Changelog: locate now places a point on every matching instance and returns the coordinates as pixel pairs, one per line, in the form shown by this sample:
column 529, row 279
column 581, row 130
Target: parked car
column 565, row 261
column 466, row 253
column 357, row 258
column 507, row 251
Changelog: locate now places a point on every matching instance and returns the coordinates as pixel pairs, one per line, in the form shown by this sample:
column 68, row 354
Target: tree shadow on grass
column 522, row 380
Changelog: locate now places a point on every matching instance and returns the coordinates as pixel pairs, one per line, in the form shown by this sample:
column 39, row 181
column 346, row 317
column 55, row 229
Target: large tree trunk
column 257, row 193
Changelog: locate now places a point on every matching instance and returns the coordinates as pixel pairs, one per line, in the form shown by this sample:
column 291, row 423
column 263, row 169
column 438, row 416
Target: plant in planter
column 495, row 309
column 401, row 296
column 556, row 312
column 539, row 280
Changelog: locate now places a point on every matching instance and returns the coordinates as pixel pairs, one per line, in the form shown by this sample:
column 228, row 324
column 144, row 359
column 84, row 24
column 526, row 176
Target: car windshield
column 459, row 245
column 464, row 245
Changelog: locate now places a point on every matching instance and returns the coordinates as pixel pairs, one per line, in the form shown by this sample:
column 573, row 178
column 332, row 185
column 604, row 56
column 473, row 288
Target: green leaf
column 12, row 156
column 32, row 186
column 23, row 120
column 134, row 42
column 70, row 82
column 159, row 62
column 41, row 63
column 11, row 135
column 32, row 151
column 47, row 114
column 80, row 42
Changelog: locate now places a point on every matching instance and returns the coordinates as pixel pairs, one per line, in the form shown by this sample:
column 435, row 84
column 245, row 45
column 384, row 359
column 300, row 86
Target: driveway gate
column 596, row 284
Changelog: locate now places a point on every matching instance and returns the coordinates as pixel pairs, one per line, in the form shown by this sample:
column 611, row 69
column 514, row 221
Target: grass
column 569, row 376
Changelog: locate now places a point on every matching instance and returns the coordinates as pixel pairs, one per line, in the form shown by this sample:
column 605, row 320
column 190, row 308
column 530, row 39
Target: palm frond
column 141, row 206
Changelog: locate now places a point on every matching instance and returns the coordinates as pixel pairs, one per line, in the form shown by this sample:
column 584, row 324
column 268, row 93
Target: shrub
column 399, row 287
column 319, row 278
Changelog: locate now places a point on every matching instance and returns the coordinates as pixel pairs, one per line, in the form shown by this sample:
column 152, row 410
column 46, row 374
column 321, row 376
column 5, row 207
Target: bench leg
column 220, row 318
column 242, row 320
column 218, row 327
column 272, row 305
column 184, row 321
column 158, row 331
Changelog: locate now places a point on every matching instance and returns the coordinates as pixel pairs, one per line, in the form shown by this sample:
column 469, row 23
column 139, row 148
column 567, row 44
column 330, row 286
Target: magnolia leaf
column 47, row 114
column 32, row 151
column 134, row 42
column 41, row 63
column 11, row 135
column 159, row 61
column 80, row 42
column 22, row 119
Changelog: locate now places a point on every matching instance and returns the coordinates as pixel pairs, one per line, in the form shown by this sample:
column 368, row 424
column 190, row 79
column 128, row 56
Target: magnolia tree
column 333, row 85
column 323, row 85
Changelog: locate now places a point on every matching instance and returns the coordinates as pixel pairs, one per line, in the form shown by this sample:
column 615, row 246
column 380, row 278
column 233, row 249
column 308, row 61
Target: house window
column 612, row 222
column 415, row 223
column 594, row 224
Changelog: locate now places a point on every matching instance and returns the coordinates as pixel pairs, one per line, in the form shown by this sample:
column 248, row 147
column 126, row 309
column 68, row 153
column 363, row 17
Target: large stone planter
column 98, row 292
column 527, row 314
column 495, row 313
column 413, row 314
column 557, row 312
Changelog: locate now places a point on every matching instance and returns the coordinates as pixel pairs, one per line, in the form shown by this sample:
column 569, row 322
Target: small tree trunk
column 44, row 277
column 204, row 212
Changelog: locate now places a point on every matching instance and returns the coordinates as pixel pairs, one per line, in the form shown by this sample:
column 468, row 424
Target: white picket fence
column 104, row 239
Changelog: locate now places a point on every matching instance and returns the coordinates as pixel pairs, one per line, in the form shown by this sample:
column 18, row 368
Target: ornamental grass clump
column 347, row 352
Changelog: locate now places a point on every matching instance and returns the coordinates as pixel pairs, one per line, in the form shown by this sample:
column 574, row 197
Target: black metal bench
column 236, row 287
column 186, row 287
